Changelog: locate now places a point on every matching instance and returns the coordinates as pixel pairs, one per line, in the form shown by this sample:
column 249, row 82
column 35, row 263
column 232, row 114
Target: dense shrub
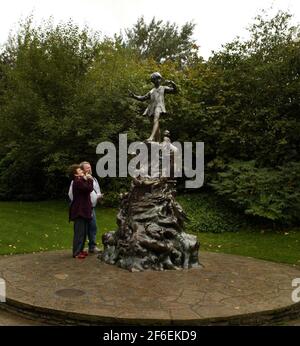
column 269, row 193
column 206, row 213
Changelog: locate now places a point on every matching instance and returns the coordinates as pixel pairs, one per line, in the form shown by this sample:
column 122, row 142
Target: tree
column 41, row 72
column 162, row 41
column 259, row 91
column 259, row 87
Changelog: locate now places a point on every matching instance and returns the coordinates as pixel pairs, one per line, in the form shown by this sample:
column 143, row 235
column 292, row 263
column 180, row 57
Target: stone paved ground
column 226, row 286
column 295, row 323
column 10, row 319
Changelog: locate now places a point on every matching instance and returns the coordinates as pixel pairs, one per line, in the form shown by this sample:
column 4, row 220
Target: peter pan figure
column 156, row 105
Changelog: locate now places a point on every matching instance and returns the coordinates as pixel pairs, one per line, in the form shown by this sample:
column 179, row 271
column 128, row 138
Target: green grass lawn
column 273, row 246
column 43, row 226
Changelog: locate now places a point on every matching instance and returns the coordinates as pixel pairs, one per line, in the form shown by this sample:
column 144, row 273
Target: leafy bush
column 111, row 199
column 208, row 214
column 269, row 193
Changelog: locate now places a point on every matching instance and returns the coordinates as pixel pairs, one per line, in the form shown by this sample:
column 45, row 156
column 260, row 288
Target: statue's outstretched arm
column 172, row 88
column 138, row 97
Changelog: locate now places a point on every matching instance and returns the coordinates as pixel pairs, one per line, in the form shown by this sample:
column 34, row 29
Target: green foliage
column 258, row 94
column 206, row 213
column 43, row 69
column 63, row 90
column 111, row 199
column 162, row 41
column 272, row 194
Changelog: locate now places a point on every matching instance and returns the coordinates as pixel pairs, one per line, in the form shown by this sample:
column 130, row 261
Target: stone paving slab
column 227, row 290
column 10, row 319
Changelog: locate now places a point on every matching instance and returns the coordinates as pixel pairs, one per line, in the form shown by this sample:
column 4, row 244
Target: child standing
column 156, row 106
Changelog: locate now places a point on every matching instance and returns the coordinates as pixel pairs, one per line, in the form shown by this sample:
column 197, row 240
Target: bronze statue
column 150, row 233
column 156, row 106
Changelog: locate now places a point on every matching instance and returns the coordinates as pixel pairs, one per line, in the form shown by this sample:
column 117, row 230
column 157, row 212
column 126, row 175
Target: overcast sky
column 217, row 21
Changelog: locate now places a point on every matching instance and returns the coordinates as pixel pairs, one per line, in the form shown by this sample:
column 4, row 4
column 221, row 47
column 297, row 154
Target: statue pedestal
column 150, row 233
